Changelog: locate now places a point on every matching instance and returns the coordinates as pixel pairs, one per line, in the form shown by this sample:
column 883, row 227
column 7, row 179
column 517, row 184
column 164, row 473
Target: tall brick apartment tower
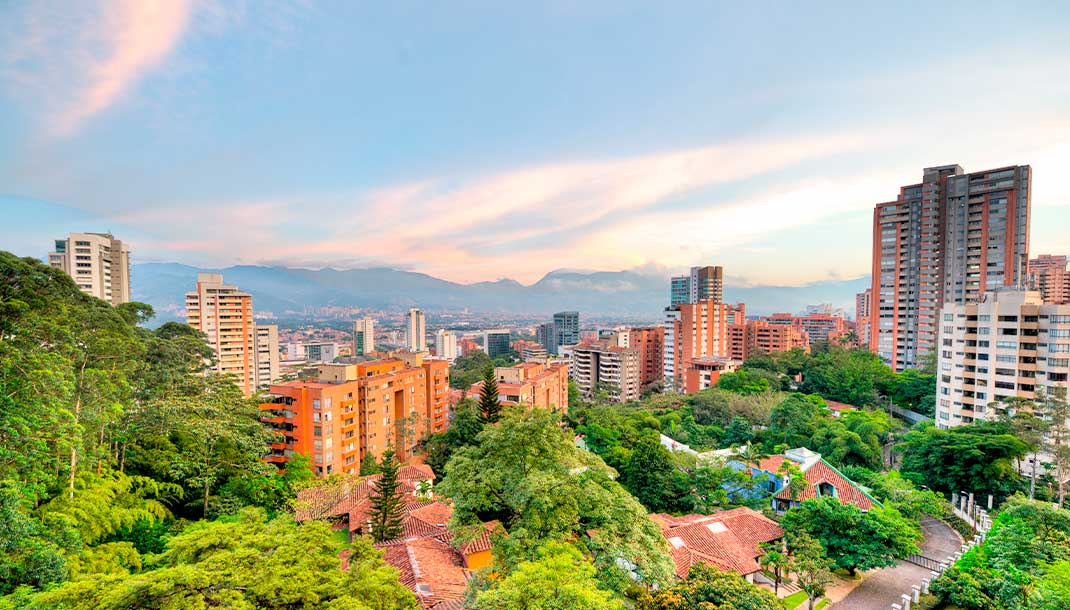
column 944, row 240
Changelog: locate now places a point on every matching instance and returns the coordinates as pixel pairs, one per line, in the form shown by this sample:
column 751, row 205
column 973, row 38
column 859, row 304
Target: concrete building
column 650, row 341
column 1050, row 276
column 546, row 335
column 313, row 351
column 701, row 284
column 266, row 344
column 566, row 328
column 825, row 308
column 1009, row 345
column 225, row 315
column 944, row 241
column 600, row 366
column 364, row 336
column 496, row 342
column 531, row 384
column 821, row 326
column 97, row 262
column 534, row 354
column 693, row 330
column 446, row 345
column 679, row 290
column 416, row 331
column 705, row 371
column 354, row 409
column 863, row 313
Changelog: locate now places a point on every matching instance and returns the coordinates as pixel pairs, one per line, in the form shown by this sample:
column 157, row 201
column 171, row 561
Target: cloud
column 78, row 60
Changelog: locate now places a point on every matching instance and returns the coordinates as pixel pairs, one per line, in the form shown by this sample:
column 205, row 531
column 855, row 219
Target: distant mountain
column 609, row 293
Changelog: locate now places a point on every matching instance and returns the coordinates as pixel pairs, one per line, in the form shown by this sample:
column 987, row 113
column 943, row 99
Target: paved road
column 881, row 588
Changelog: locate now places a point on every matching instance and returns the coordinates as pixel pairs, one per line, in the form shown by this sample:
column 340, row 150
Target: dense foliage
column 708, row 588
column 1023, row 564
column 978, row 457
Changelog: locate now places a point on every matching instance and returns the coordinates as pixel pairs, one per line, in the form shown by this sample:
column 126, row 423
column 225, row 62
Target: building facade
column 650, row 341
column 532, row 384
column 97, row 262
column 266, row 359
column 546, row 335
column 1050, row 276
column 496, row 342
column 945, row 240
column 863, row 313
column 567, row 328
column 416, row 331
column 446, row 345
column 364, row 336
column 693, row 330
column 1009, row 345
column 225, row 315
column 601, row 366
column 313, row 351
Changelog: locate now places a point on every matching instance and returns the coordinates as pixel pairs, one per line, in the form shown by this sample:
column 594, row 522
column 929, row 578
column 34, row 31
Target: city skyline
column 356, row 139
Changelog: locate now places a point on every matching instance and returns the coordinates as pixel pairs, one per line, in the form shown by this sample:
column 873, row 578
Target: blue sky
column 482, row 140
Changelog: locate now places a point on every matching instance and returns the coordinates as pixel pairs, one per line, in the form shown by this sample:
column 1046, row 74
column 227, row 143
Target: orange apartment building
column 705, row 371
column 753, row 337
column 693, row 330
column 1049, row 275
column 532, row 384
column 650, row 341
column 352, row 410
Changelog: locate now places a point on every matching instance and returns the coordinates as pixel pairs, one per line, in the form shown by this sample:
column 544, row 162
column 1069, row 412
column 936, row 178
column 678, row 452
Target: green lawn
column 798, row 600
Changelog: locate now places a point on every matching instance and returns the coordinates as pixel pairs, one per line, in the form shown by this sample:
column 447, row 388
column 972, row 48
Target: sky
column 481, row 140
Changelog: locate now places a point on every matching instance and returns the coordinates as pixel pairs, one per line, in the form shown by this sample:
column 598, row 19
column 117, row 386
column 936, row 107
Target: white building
column 363, row 336
column 98, row 263
column 1009, row 345
column 266, row 342
column 416, row 331
column 312, row 351
column 446, row 344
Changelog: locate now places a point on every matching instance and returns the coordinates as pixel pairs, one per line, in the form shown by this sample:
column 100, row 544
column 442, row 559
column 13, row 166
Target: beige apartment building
column 603, row 365
column 1009, row 345
column 98, row 263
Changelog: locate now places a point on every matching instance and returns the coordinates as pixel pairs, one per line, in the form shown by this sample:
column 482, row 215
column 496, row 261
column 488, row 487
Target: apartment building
column 225, row 315
column 601, row 365
column 351, row 410
column 97, row 262
column 821, row 326
column 313, row 351
column 532, row 384
column 1010, row 344
column 944, row 241
column 650, row 341
column 1049, row 275
column 496, row 342
column 693, row 330
column 266, row 357
column 705, row 371
column 416, row 331
column 364, row 336
column 863, row 313
column 446, row 345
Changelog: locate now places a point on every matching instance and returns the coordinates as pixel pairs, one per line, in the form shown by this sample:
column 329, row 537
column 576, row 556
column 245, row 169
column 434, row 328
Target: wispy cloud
column 76, row 61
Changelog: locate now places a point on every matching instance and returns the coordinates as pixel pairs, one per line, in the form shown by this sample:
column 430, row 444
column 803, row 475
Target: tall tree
column 368, row 465
column 388, row 509
column 775, row 559
column 490, row 408
column 812, row 568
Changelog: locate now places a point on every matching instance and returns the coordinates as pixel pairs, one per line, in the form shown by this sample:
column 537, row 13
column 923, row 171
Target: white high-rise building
column 1008, row 345
column 446, row 344
column 98, row 263
column 416, row 331
column 267, row 354
column 364, row 336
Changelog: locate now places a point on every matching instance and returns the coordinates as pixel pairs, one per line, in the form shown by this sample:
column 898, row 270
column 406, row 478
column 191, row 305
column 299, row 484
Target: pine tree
column 387, row 511
column 490, row 410
column 368, row 465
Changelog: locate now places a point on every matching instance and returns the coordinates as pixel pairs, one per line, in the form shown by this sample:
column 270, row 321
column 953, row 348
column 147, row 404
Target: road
column 881, row 588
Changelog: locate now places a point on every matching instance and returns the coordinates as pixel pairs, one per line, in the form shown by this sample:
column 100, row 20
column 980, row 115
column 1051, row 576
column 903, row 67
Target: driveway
column 882, row 588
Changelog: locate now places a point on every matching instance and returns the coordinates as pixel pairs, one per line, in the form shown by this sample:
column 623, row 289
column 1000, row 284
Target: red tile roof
column 729, row 540
column 345, row 495
column 822, row 472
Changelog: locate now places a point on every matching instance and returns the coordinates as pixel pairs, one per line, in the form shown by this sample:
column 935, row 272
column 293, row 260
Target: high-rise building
column 97, row 262
column 547, row 337
column 945, row 240
column 352, row 410
column 496, row 342
column 756, row 337
column 693, row 330
column 567, row 327
column 679, row 290
column 601, row 366
column 363, row 336
column 820, row 326
column 225, row 315
column 1050, row 276
column 863, row 309
column 1009, row 345
column 701, row 284
column 446, row 345
column 416, row 331
column 266, row 342
column 650, row 341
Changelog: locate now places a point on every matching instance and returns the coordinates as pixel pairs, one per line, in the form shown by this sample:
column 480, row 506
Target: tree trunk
column 74, row 449
column 204, row 513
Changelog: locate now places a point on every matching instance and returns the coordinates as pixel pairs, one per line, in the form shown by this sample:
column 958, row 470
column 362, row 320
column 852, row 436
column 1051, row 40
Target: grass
column 798, row 599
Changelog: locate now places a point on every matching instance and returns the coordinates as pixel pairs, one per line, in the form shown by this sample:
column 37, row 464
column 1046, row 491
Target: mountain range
column 633, row 294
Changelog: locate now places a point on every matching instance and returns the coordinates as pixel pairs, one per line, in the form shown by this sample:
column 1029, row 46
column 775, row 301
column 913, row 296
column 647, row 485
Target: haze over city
column 484, row 141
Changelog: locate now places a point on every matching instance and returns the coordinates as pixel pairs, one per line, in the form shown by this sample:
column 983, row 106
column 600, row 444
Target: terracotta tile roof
column 772, row 463
column 729, row 540
column 823, row 472
column 345, row 495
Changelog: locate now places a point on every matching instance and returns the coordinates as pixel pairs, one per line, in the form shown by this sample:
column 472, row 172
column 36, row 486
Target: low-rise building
column 822, row 479
column 531, row 384
column 730, row 540
column 703, row 373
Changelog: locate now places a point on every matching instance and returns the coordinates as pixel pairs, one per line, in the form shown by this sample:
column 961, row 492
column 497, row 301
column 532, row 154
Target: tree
column 777, row 561
column 1020, row 415
column 559, row 577
column 853, row 539
column 245, row 562
column 464, row 428
column 368, row 465
column 797, row 482
column 466, row 370
column 707, row 587
column 812, row 569
column 648, row 474
column 738, row 432
column 387, row 504
column 793, row 421
column 747, row 381
column 490, row 408
column 975, row 457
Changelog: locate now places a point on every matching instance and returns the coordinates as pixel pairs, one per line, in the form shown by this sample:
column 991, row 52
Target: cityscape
column 747, row 371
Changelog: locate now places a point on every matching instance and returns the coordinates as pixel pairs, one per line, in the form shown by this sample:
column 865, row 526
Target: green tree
column 368, row 465
column 387, row 505
column 649, row 474
column 738, row 432
column 854, row 539
column 558, row 577
column 466, row 370
column 245, row 562
column 747, row 381
column 707, row 588
column 776, row 560
column 812, row 569
column 490, row 409
column 975, row 457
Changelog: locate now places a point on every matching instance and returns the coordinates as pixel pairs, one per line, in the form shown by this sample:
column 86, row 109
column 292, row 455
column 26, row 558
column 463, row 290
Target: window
column 1007, row 344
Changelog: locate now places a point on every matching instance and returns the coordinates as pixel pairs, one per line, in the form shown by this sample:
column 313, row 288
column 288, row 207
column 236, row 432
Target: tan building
column 693, row 330
column 225, row 315
column 266, row 343
column 863, row 313
column 532, row 384
column 1010, row 345
column 602, row 365
column 364, row 336
column 1050, row 275
column 416, row 331
column 97, row 262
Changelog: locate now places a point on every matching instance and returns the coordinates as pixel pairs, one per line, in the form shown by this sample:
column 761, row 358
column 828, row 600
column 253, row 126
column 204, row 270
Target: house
column 839, row 409
column 730, row 540
column 822, row 479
